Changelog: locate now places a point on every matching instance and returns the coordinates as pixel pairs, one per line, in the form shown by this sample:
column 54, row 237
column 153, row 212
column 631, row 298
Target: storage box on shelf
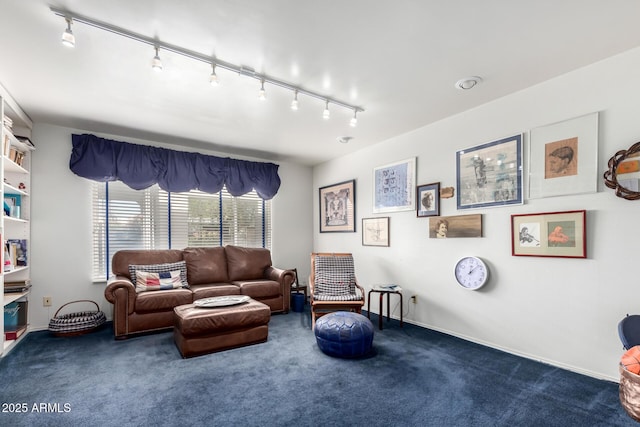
column 15, row 230
column 15, row 320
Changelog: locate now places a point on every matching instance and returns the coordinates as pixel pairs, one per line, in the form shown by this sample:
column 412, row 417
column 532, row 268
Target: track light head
column 294, row 103
column 326, row 114
column 262, row 95
column 354, row 120
column 213, row 78
column 68, row 39
column 156, row 63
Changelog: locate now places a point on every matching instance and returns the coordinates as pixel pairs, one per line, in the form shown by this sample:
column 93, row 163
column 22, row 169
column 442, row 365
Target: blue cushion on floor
column 344, row 334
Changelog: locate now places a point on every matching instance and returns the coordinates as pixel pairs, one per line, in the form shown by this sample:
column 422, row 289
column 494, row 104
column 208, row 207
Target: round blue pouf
column 344, row 334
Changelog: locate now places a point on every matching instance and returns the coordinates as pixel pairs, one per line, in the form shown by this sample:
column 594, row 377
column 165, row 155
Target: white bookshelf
column 15, row 177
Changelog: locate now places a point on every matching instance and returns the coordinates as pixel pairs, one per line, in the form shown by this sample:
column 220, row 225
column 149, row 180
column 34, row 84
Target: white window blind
column 155, row 219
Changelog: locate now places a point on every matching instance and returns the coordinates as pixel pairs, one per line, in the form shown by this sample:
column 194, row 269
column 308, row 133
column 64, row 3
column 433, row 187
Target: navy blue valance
column 141, row 166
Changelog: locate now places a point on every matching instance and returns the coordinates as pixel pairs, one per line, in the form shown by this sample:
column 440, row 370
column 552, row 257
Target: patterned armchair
column 333, row 285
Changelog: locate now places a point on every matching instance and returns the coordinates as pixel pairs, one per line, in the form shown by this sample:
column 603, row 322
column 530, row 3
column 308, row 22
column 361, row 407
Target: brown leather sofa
column 211, row 272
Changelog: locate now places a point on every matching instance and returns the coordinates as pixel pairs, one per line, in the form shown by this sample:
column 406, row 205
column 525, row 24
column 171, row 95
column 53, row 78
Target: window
column 155, row 219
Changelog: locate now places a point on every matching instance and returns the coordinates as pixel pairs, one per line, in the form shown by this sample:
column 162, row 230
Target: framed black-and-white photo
column 428, row 200
column 490, row 174
column 375, row 231
column 337, row 207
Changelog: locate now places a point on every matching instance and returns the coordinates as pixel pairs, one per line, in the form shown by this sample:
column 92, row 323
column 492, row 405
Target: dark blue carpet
column 414, row 377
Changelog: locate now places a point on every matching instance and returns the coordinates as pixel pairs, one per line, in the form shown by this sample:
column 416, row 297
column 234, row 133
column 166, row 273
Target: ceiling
column 397, row 60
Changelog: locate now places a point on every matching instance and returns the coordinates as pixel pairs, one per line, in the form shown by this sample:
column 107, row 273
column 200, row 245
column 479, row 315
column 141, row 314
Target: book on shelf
column 7, row 122
column 15, row 334
column 12, row 203
column 16, row 253
column 7, row 145
column 17, row 286
column 6, row 258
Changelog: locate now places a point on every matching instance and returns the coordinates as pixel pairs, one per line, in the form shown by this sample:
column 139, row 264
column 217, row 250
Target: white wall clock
column 471, row 272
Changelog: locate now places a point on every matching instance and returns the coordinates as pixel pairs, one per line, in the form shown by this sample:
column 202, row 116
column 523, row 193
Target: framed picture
column 443, row 227
column 394, row 187
column 563, row 158
column 337, row 207
column 551, row 234
column 490, row 174
column 375, row 231
column 428, row 200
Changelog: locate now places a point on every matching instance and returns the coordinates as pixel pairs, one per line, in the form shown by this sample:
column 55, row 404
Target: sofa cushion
column 247, row 263
column 259, row 289
column 146, row 281
column 214, row 290
column 158, row 301
column 160, row 268
column 206, row 265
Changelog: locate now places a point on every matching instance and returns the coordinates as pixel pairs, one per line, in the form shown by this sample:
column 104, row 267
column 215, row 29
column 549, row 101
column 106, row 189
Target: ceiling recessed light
column 468, row 83
column 344, row 139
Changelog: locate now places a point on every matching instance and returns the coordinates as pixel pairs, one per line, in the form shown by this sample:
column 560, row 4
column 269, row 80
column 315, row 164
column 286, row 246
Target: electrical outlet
column 46, row 301
column 414, row 299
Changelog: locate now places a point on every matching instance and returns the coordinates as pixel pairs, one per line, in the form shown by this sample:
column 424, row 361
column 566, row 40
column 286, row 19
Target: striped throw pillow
column 146, row 281
column 160, row 268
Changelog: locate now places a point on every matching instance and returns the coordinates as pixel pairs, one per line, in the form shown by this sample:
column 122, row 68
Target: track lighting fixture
column 354, row 120
column 261, row 94
column 156, row 63
column 326, row 113
column 69, row 39
column 213, row 78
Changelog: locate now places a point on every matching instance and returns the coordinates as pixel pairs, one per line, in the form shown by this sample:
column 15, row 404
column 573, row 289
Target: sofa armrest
column 284, row 277
column 122, row 294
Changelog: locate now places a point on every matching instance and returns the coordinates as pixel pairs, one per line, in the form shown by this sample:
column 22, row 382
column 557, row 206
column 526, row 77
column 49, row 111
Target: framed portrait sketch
column 444, row 227
column 551, row 234
column 394, row 186
column 337, row 207
column 563, row 158
column 428, row 200
column 375, row 231
column 490, row 174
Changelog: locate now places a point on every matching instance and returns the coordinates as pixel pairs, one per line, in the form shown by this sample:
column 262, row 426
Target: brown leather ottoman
column 200, row 331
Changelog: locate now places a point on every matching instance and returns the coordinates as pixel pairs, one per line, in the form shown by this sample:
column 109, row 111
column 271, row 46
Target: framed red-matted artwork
column 550, row 234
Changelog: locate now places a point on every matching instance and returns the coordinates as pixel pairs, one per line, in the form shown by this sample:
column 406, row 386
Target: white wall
column 561, row 311
column 61, row 224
